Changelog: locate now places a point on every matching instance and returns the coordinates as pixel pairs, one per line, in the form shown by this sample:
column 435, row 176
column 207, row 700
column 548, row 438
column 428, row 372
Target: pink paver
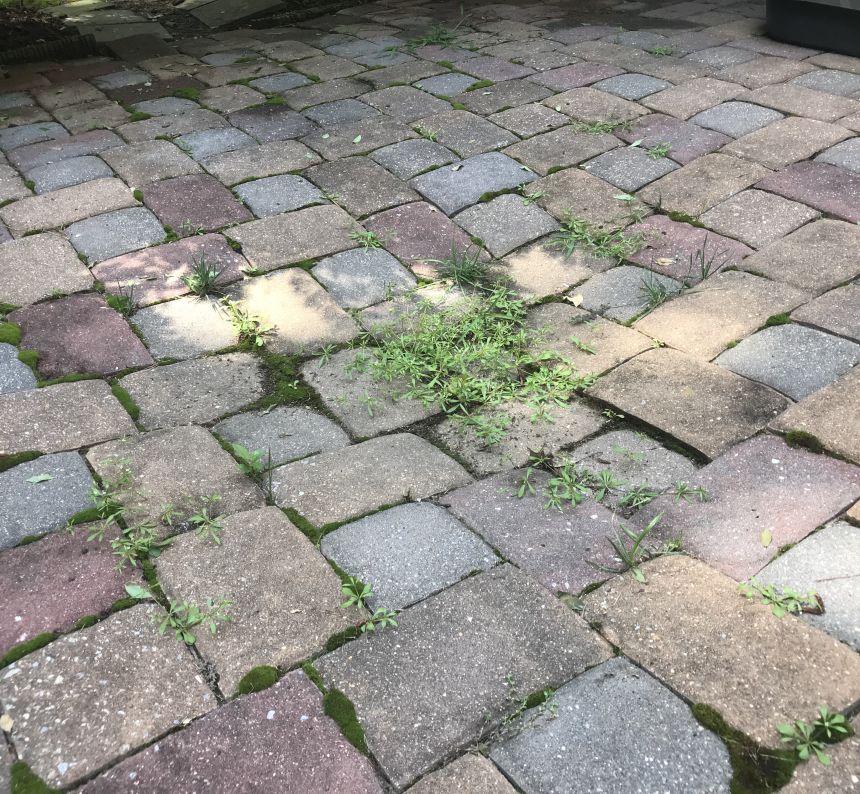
column 188, row 203
column 826, row 187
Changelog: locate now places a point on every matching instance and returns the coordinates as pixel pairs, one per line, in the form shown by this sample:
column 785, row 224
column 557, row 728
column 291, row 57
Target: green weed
column 578, row 232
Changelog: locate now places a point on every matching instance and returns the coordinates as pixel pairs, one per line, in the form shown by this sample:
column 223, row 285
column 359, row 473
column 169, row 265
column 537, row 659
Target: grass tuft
column 605, row 243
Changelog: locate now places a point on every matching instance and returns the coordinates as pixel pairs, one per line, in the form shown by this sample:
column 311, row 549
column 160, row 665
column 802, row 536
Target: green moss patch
column 257, row 680
column 341, row 638
column 480, row 84
column 20, row 650
column 10, row 461
column 72, row 377
column 777, row 319
column 310, row 531
column 311, row 672
column 24, row 781
column 284, row 383
column 800, row 438
column 126, row 401
column 339, row 707
column 10, row 334
column 29, row 357
column 187, row 93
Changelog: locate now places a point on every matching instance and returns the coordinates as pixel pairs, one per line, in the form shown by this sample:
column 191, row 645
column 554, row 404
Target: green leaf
column 357, row 139
column 136, row 591
column 39, row 478
column 766, row 537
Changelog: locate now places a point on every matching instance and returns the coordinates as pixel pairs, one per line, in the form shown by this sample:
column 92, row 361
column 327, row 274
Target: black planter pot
column 832, row 25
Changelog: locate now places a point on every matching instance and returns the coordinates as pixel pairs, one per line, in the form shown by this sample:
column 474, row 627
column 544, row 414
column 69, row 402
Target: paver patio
column 341, row 357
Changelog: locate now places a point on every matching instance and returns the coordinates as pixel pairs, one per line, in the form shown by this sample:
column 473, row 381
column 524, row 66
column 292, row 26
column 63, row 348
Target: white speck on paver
column 270, row 715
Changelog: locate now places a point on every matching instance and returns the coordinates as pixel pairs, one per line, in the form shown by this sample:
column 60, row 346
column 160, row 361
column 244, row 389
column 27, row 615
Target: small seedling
column 661, row 51
column 183, row 616
column 250, row 462
column 532, row 197
column 600, row 127
column 188, row 228
column 365, row 238
column 325, row 355
column 683, row 491
column 249, row 328
column 783, row 600
column 381, row 618
column 583, row 346
column 658, row 151
column 632, row 556
column 638, row 496
column 655, row 292
column 204, row 522
column 203, row 275
column 356, row 592
column 136, row 544
column 123, row 299
column 807, row 740
column 426, row 132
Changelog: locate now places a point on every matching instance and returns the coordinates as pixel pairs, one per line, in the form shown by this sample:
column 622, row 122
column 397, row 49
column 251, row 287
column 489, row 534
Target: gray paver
column 469, row 774
column 793, row 359
column 15, row 375
column 64, row 739
column 632, row 86
column 619, row 293
column 410, row 158
column 449, row 84
column 68, row 172
column 528, row 120
column 367, row 476
column 505, row 223
column 342, row 111
column 268, row 159
column 282, row 614
column 271, row 123
column 455, row 187
column 407, row 553
column 276, row 194
column 140, row 163
column 466, row 133
column 13, row 137
column 115, row 233
column 845, row 155
column 32, row 508
column 208, row 143
column 166, row 106
column 283, row 434
column 629, row 168
column 277, row 83
column 833, row 81
column 736, row 118
column 560, row 148
column 615, row 729
column 362, row 276
column 824, row 563
column 472, row 629
column 837, row 311
column 26, row 158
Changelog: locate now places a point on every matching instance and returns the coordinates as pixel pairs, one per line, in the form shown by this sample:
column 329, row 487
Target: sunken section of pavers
column 629, row 168
column 80, row 333
column 62, row 207
column 591, row 344
column 736, row 119
column 360, row 185
column 449, row 659
column 826, row 187
column 185, row 328
column 757, row 218
column 37, row 266
column 505, row 223
column 684, row 251
column 701, row 404
column 614, row 728
column 41, row 495
column 195, row 391
column 526, row 429
column 294, row 237
column 268, row 159
column 282, row 434
column 365, row 405
column 676, row 626
column 52, row 419
column 724, row 308
column 190, row 203
column 830, row 415
column 686, row 141
column 285, row 612
column 175, row 467
column 620, row 293
column 300, row 314
column 792, row 359
column 555, row 547
column 346, row 140
column 837, row 311
column 455, row 187
column 362, row 276
column 49, row 585
column 829, row 244
column 575, row 193
column 15, row 375
column 762, row 485
column 787, row 141
column 413, row 157
column 702, row 184
column 115, row 233
column 141, row 163
column 417, row 233
column 840, row 775
column 276, row 741
column 469, row 774
column 75, row 709
column 538, row 271
column 366, row 476
column 275, row 194
column 407, row 553
column 824, row 563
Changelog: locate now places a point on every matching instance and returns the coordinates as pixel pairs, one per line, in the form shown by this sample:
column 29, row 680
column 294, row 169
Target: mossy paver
column 676, row 626
column 346, row 140
column 826, row 187
column 282, row 614
column 701, row 404
column 824, row 413
column 114, row 233
column 407, row 553
column 175, row 467
column 87, row 143
column 837, row 311
column 195, row 391
column 48, row 586
column 141, row 163
column 793, row 359
column 471, row 628
column 466, row 133
column 620, row 293
column 469, row 773
column 276, row 194
column 555, row 547
column 229, row 98
column 268, row 159
column 75, row 709
column 616, row 729
column 63, row 207
column 560, row 148
column 824, row 563
column 185, row 328
column 828, row 243
column 757, row 218
column 51, row 419
column 35, row 267
column 190, row 203
column 362, row 276
column 367, row 476
column 294, row 237
column 762, row 495
column 66, row 173
column 156, row 273
column 558, row 427
column 278, row 83
column 686, row 141
column 277, row 742
column 60, row 487
column 506, row 222
column 538, row 271
column 80, row 333
column 801, row 101
column 724, row 308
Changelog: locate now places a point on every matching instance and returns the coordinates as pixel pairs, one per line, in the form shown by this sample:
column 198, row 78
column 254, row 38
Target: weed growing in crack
column 807, row 740
column 464, row 267
column 356, row 592
column 661, row 51
column 205, row 522
column 605, row 243
column 201, row 279
column 123, row 299
column 382, row 618
column 658, row 151
column 782, row 600
column 249, row 328
column 438, row 35
column 654, row 292
column 366, row 239
column 183, row 617
column 542, row 704
column 427, row 133
column 630, row 557
column 532, row 197
column 601, row 127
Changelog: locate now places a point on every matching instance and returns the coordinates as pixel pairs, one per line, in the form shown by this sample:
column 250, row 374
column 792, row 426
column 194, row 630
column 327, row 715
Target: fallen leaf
column 625, row 197
column 635, row 143
column 576, row 300
column 40, row 478
column 664, row 261
column 357, row 139
column 6, row 723
column 456, row 167
column 766, row 537
column 558, row 108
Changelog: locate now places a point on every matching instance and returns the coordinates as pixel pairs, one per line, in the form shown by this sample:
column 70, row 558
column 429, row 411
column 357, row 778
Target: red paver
column 825, row 187
column 189, row 203
column 577, row 75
